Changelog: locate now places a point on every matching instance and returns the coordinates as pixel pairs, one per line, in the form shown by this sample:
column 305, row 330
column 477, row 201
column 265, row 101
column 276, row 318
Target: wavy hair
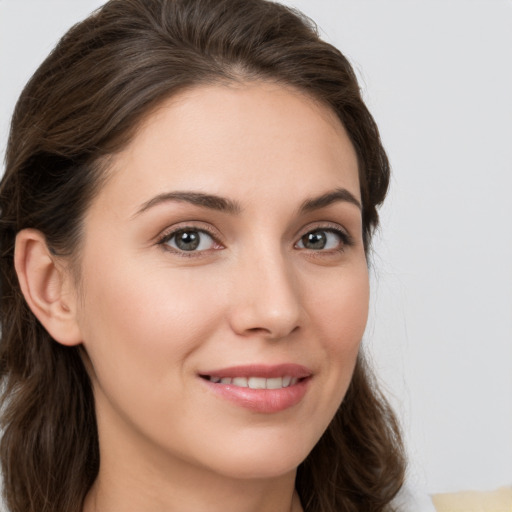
column 84, row 103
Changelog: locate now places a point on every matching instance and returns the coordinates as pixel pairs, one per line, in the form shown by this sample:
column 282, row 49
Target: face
column 225, row 287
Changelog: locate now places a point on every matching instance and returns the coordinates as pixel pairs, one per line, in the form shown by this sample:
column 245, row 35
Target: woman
column 177, row 332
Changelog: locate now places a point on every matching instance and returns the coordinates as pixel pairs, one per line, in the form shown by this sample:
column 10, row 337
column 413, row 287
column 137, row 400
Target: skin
column 152, row 317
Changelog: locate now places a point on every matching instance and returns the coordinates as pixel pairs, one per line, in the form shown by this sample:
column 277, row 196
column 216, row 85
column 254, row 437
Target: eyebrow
column 222, row 204
column 210, row 201
column 340, row 194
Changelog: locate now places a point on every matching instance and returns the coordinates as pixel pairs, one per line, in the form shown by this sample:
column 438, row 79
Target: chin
column 261, row 470
column 264, row 460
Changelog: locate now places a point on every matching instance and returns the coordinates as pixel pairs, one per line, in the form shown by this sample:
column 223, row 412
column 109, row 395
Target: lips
column 260, row 388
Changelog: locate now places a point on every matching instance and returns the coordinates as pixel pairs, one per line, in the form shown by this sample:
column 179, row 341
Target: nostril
column 274, row 333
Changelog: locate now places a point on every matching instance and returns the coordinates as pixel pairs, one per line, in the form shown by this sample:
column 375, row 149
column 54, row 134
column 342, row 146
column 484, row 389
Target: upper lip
column 263, row 371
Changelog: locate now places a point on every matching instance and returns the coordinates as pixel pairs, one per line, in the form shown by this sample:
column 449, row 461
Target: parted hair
column 85, row 103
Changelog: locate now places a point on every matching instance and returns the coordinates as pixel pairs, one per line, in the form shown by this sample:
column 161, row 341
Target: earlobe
column 46, row 286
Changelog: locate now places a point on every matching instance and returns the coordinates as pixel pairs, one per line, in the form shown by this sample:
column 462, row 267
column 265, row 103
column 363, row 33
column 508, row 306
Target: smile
column 256, row 382
column 260, row 388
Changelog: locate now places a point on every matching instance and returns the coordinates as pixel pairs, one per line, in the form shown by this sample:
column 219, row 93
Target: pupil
column 187, row 240
column 315, row 240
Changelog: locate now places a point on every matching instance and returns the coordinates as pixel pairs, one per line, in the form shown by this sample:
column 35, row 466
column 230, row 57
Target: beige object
column 473, row 501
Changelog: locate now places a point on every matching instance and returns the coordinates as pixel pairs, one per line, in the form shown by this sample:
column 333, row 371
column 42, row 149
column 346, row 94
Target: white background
column 437, row 75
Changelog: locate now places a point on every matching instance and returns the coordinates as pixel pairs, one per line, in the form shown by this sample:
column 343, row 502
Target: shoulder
column 473, row 501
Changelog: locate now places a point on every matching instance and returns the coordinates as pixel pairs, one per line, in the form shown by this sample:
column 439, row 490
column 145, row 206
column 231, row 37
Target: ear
column 47, row 287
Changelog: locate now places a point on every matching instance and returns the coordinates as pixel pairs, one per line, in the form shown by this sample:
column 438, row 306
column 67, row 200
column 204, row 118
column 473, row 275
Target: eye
column 189, row 240
column 323, row 240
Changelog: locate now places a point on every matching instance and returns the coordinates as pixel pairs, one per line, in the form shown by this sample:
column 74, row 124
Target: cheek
column 341, row 312
column 142, row 328
column 141, row 320
column 340, row 319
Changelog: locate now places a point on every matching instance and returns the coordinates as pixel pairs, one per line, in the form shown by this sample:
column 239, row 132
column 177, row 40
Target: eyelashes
column 324, row 239
column 190, row 240
column 196, row 241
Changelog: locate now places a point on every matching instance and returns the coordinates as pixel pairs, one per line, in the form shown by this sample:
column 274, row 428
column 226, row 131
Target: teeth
column 257, row 382
column 276, row 383
column 240, row 382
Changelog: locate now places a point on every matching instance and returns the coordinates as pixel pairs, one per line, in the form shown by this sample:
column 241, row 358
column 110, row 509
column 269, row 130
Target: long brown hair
column 84, row 103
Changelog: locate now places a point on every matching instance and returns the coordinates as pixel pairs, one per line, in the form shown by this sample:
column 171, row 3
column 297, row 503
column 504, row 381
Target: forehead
column 231, row 138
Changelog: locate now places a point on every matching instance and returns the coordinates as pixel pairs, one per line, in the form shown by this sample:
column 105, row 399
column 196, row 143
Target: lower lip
column 265, row 401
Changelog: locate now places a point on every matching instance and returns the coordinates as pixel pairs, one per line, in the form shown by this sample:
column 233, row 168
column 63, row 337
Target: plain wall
column 437, row 75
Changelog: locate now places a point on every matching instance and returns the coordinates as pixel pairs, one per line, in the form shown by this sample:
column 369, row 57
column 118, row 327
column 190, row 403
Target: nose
column 266, row 298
